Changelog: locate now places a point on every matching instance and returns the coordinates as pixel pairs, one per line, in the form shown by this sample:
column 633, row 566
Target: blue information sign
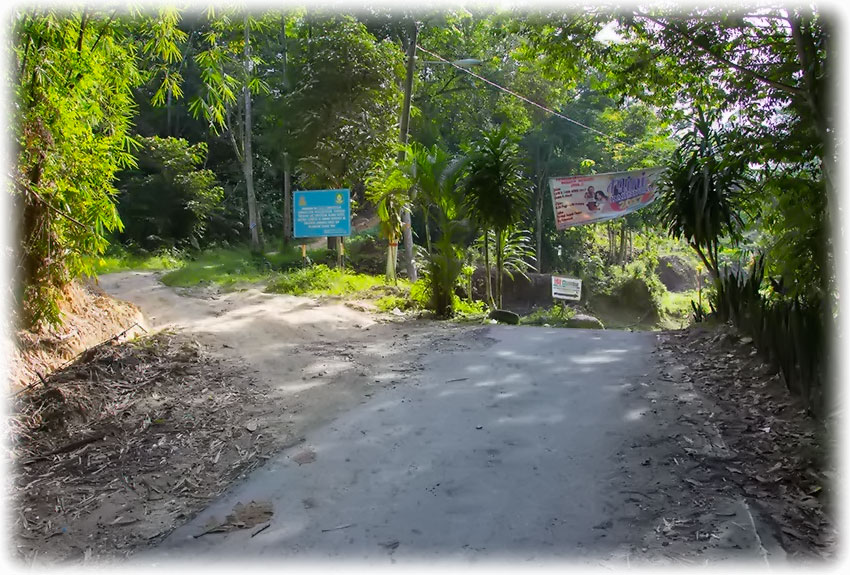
column 320, row 213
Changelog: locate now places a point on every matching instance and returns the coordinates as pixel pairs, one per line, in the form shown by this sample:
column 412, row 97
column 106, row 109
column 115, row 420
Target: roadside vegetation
column 175, row 145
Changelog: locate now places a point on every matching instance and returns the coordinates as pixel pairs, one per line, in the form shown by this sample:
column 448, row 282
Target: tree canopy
column 194, row 127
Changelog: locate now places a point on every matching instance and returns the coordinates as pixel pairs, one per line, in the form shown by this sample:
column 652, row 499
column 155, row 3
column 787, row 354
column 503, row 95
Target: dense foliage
column 74, row 76
column 166, row 200
column 205, row 123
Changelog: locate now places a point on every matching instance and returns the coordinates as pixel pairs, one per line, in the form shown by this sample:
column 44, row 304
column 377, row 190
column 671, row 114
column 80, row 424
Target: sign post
column 566, row 289
column 322, row 213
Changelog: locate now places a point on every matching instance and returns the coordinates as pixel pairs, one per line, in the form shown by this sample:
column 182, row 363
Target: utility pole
column 407, row 231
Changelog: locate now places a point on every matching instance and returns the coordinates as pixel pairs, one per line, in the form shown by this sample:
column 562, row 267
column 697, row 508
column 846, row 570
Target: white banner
column 579, row 200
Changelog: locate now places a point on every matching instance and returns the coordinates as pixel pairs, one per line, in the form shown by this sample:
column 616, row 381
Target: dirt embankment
column 90, row 317
column 134, row 438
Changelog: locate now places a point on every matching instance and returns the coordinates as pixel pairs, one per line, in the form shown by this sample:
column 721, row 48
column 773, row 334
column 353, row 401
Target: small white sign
column 566, row 288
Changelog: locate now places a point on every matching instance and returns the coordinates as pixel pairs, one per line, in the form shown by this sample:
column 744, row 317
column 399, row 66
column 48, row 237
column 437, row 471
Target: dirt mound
column 90, row 316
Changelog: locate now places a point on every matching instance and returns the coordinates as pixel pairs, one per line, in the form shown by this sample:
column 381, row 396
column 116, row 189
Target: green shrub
column 556, row 316
column 388, row 303
column 792, row 333
column 466, row 308
column 119, row 259
column 322, row 280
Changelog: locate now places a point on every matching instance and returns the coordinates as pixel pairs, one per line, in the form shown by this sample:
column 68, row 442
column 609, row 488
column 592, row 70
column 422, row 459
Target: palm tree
column 388, row 187
column 436, row 177
column 496, row 195
column 701, row 197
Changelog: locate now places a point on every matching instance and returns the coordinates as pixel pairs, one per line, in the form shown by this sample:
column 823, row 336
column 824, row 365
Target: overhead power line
column 521, row 97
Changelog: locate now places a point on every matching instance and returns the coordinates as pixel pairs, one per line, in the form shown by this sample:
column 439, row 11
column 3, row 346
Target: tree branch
column 29, row 190
column 793, row 90
column 228, row 125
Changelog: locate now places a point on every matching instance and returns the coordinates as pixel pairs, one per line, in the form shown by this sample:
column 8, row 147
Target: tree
column 437, row 176
column 74, row 76
column 388, row 187
column 701, row 196
column 228, row 67
column 167, row 199
column 331, row 113
column 496, row 194
column 771, row 69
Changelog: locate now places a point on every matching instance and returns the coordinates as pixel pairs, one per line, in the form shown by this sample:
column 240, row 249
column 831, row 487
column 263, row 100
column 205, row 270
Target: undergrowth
column 322, row 280
column 554, row 316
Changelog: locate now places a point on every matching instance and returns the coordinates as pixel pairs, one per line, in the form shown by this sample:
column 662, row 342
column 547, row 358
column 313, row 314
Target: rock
column 585, row 321
column 504, row 316
column 306, row 456
column 676, row 273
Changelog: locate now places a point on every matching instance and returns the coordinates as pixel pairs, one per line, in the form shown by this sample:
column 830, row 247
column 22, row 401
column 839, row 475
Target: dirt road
column 316, row 359
column 432, row 440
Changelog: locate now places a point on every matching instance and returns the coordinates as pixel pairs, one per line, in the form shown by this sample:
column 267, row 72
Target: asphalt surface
column 511, row 443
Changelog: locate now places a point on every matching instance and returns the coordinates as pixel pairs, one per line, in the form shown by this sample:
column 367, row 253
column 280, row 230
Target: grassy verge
column 676, row 309
column 121, row 261
column 322, row 280
column 234, row 266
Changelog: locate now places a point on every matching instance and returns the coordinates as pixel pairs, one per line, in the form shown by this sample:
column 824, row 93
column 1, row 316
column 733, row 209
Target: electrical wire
column 521, row 97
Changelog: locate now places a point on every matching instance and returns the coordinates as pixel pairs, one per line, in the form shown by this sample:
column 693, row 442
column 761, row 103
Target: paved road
column 515, row 442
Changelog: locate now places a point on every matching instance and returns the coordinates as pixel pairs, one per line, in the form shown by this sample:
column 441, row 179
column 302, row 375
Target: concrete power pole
column 407, row 231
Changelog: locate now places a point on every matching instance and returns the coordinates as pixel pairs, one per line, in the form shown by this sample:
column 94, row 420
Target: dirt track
column 316, row 358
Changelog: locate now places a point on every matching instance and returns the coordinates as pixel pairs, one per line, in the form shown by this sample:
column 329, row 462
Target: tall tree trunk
column 287, row 200
column 817, row 96
column 427, row 231
column 248, row 165
column 487, row 283
column 538, row 221
column 168, row 131
column 407, row 230
column 621, row 257
column 500, row 249
column 392, row 250
column 287, row 173
column 333, row 242
column 538, row 209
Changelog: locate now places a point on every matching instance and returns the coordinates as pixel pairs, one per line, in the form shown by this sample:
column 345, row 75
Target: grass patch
column 322, row 280
column 415, row 297
column 465, row 309
column 676, row 308
column 234, row 266
column 122, row 261
column 390, row 302
column 554, row 316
